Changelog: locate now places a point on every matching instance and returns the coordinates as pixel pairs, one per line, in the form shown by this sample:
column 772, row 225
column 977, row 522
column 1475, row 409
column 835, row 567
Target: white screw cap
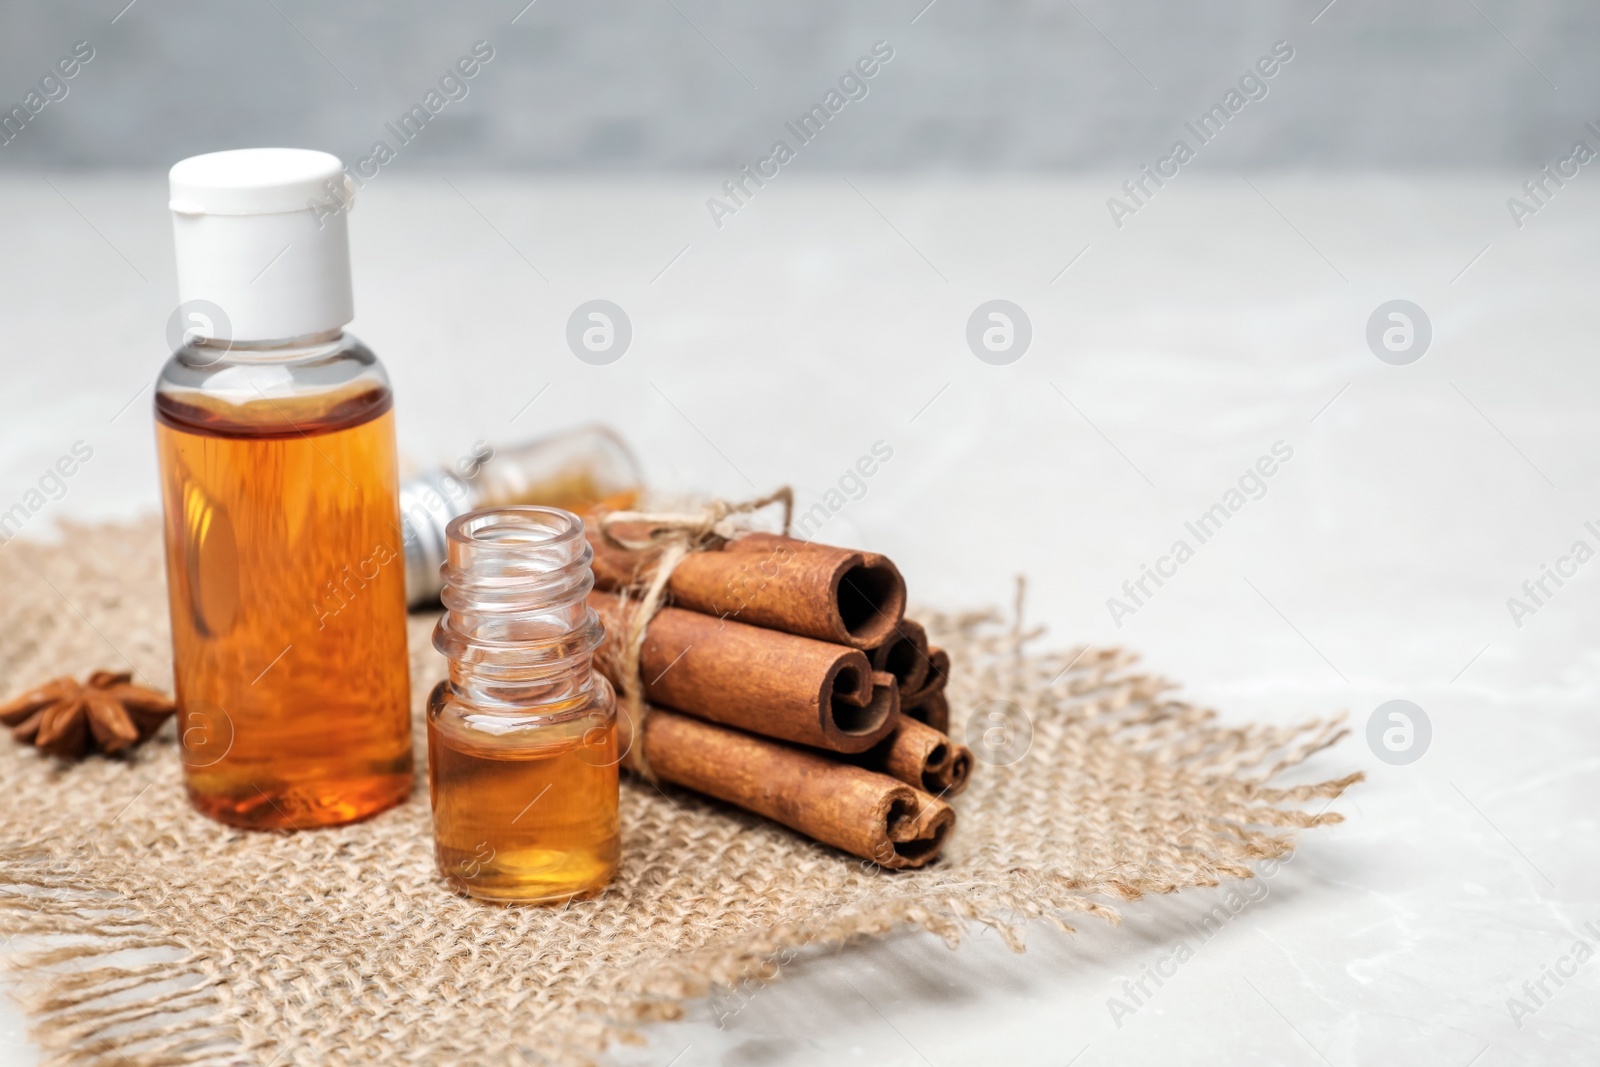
column 261, row 233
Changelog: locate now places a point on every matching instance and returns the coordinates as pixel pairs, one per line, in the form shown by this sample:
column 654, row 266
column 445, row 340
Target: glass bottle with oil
column 285, row 562
column 522, row 738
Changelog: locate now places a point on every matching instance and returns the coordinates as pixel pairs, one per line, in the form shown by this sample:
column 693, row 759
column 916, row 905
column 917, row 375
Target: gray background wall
column 976, row 85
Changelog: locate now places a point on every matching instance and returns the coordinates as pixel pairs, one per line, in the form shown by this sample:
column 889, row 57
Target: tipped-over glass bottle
column 285, row 567
column 522, row 738
column 576, row 470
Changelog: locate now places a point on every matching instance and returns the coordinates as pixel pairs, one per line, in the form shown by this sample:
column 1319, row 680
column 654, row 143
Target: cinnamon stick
column 934, row 710
column 922, row 756
column 781, row 583
column 929, row 704
column 861, row 812
column 904, row 655
column 960, row 772
column 776, row 684
column 937, row 677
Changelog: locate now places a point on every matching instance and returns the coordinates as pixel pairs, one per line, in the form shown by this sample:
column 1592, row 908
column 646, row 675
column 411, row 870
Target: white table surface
column 1173, row 353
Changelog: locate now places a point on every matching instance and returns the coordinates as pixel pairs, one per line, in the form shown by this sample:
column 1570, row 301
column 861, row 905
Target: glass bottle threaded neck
column 517, row 628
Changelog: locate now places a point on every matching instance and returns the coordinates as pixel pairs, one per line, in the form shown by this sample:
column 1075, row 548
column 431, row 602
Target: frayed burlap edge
column 1123, row 792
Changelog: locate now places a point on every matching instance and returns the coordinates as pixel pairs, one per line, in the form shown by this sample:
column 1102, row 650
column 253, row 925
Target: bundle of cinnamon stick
column 785, row 679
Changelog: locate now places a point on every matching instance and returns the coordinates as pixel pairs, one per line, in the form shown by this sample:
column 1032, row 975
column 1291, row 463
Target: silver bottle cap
column 427, row 504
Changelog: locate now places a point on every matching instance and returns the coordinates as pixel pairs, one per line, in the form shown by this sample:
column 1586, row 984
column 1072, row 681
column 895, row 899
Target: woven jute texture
column 141, row 933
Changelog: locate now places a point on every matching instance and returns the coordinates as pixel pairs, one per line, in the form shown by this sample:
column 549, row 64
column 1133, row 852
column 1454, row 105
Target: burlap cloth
column 142, row 933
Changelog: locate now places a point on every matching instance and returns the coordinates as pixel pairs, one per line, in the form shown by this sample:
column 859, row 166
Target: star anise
column 67, row 720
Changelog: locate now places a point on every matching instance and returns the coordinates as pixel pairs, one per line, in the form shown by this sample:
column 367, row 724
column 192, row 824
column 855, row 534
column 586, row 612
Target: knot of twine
column 674, row 536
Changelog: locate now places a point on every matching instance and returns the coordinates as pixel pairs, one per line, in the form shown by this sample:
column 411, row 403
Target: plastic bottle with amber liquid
column 522, row 737
column 285, row 562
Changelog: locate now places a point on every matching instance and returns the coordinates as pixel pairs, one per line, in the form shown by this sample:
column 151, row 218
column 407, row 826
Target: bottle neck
column 517, row 629
column 205, row 352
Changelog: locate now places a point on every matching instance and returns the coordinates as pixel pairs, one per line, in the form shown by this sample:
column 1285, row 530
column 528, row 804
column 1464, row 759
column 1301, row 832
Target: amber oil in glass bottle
column 522, row 738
